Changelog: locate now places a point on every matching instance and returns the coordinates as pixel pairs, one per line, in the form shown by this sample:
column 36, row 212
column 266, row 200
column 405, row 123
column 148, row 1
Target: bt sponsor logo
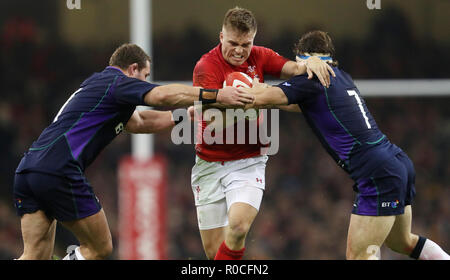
column 391, row 204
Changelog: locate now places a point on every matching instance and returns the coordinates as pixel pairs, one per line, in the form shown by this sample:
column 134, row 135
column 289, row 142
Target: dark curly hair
column 315, row 42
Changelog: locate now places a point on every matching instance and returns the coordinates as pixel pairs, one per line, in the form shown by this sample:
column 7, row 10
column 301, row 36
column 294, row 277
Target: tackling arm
column 149, row 121
column 266, row 97
column 290, row 108
column 179, row 95
column 257, row 88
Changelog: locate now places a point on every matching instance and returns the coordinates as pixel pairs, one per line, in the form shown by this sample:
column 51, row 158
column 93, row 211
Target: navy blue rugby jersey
column 340, row 119
column 89, row 120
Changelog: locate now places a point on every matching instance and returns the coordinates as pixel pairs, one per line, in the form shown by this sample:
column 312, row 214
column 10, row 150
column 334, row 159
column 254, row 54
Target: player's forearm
column 176, row 95
column 268, row 98
column 291, row 69
column 294, row 108
column 150, row 121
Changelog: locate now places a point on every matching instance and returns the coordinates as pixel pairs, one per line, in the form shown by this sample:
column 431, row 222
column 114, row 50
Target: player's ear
column 133, row 69
column 221, row 37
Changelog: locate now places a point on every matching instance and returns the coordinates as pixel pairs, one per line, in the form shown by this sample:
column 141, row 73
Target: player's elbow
column 133, row 127
column 134, row 124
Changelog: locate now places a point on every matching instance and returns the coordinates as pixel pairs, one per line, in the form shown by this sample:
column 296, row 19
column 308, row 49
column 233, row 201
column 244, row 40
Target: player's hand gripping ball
column 240, row 79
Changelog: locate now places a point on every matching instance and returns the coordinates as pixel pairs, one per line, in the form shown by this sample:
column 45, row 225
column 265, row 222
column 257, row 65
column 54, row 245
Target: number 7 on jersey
column 358, row 100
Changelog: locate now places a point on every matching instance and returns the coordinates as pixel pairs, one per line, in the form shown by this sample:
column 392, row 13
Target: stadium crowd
column 308, row 200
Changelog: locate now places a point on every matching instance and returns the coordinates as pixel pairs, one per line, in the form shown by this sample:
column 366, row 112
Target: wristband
column 208, row 96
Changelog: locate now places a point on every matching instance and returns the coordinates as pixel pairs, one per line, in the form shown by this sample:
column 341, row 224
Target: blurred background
column 47, row 50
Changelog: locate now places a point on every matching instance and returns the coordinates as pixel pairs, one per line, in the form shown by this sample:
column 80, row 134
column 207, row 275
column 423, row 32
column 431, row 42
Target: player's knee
column 239, row 228
column 403, row 245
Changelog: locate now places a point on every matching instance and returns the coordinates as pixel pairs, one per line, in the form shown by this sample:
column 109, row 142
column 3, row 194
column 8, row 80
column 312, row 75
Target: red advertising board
column 142, row 208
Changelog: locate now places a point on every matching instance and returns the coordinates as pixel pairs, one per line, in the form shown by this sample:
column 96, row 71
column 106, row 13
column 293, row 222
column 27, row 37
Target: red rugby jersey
column 210, row 72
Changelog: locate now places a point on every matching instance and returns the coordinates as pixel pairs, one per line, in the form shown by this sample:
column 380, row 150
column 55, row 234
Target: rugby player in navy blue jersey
column 50, row 184
column 384, row 175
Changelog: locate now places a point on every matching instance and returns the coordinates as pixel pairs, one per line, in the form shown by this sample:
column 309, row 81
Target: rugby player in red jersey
column 228, row 180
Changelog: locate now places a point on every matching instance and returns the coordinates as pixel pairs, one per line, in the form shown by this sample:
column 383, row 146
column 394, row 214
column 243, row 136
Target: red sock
column 225, row 253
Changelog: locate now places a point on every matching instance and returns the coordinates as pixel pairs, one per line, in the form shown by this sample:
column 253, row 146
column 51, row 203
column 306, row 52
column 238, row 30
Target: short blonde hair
column 240, row 19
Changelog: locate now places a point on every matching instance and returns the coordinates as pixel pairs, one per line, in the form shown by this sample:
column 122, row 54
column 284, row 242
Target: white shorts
column 217, row 185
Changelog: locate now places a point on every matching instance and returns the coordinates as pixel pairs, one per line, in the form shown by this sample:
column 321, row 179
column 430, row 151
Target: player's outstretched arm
column 265, row 97
column 149, row 121
column 312, row 66
column 179, row 95
column 293, row 108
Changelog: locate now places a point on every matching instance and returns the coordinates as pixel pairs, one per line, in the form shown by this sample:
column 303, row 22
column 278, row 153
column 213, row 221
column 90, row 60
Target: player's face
column 236, row 46
column 134, row 72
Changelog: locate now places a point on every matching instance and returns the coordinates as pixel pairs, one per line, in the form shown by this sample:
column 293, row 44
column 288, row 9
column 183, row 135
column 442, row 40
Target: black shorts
column 62, row 198
column 387, row 190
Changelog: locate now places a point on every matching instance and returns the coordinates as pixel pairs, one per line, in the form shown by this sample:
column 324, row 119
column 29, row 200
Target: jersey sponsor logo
column 390, row 204
column 18, row 203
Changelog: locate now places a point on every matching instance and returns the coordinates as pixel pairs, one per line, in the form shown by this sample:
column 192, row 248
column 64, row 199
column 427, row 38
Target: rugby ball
column 238, row 79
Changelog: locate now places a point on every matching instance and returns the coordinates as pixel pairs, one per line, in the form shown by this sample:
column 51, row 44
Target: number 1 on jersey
column 65, row 104
column 358, row 100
